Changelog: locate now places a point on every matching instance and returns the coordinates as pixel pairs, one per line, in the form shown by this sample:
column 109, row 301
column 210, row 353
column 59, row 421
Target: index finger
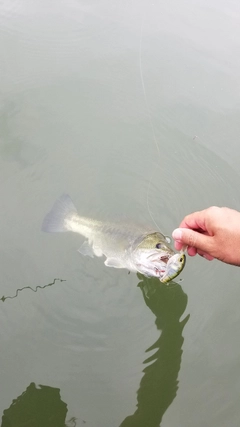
column 194, row 221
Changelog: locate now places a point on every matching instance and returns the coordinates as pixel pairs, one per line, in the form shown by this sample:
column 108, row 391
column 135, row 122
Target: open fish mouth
column 164, row 258
column 167, row 266
column 174, row 267
column 159, row 262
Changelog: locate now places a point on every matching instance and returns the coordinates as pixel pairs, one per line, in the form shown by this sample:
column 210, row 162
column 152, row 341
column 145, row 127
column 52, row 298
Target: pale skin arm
column 212, row 233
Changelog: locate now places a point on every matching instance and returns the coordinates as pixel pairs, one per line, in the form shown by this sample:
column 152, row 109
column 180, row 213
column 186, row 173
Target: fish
column 131, row 246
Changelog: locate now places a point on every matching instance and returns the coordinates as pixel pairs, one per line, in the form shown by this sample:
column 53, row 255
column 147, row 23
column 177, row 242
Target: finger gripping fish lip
column 192, row 239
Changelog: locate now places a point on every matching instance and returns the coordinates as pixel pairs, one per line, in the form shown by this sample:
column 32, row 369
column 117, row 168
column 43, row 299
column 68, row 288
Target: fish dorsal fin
column 86, row 249
column 113, row 262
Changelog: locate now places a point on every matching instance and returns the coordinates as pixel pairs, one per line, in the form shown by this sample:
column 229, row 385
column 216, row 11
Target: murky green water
column 133, row 109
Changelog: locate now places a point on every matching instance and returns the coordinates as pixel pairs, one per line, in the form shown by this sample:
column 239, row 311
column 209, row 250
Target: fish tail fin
column 54, row 221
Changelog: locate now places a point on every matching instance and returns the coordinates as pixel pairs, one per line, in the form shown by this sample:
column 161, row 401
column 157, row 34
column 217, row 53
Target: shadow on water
column 38, row 407
column 159, row 384
column 42, row 406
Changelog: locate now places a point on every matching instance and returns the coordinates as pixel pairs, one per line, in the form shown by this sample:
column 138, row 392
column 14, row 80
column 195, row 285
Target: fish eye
column 158, row 245
column 181, row 259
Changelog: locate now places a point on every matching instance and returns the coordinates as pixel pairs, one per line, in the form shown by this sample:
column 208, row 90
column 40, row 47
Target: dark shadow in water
column 159, row 384
column 42, row 406
column 38, row 407
column 29, row 287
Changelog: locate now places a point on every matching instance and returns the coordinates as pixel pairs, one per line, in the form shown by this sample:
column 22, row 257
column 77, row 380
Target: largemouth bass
column 133, row 247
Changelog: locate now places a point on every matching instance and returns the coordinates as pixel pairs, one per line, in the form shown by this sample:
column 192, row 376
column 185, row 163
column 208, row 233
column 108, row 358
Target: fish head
column 153, row 256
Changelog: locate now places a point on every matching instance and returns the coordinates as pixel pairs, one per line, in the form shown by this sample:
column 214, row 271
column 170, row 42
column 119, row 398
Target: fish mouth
column 159, row 263
column 164, row 258
column 173, row 267
column 165, row 266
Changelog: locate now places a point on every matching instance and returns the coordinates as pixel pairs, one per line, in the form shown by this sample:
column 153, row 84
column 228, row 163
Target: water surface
column 133, row 109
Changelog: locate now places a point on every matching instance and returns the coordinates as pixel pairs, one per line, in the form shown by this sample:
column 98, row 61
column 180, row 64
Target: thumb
column 189, row 237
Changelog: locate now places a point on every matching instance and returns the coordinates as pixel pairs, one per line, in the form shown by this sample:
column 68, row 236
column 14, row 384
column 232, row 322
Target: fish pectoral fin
column 113, row 262
column 86, row 249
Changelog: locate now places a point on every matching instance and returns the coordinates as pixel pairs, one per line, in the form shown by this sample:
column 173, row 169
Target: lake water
column 133, row 109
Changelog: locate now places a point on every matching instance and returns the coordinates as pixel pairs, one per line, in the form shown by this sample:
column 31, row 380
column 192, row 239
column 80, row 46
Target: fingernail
column 177, row 234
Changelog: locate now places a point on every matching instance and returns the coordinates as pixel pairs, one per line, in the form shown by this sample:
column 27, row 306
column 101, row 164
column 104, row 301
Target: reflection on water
column 159, row 384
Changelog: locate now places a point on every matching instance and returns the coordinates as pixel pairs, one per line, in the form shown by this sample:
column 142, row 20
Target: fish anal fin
column 113, row 262
column 86, row 250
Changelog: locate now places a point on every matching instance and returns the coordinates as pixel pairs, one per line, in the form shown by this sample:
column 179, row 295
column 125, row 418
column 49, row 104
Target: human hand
column 212, row 233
